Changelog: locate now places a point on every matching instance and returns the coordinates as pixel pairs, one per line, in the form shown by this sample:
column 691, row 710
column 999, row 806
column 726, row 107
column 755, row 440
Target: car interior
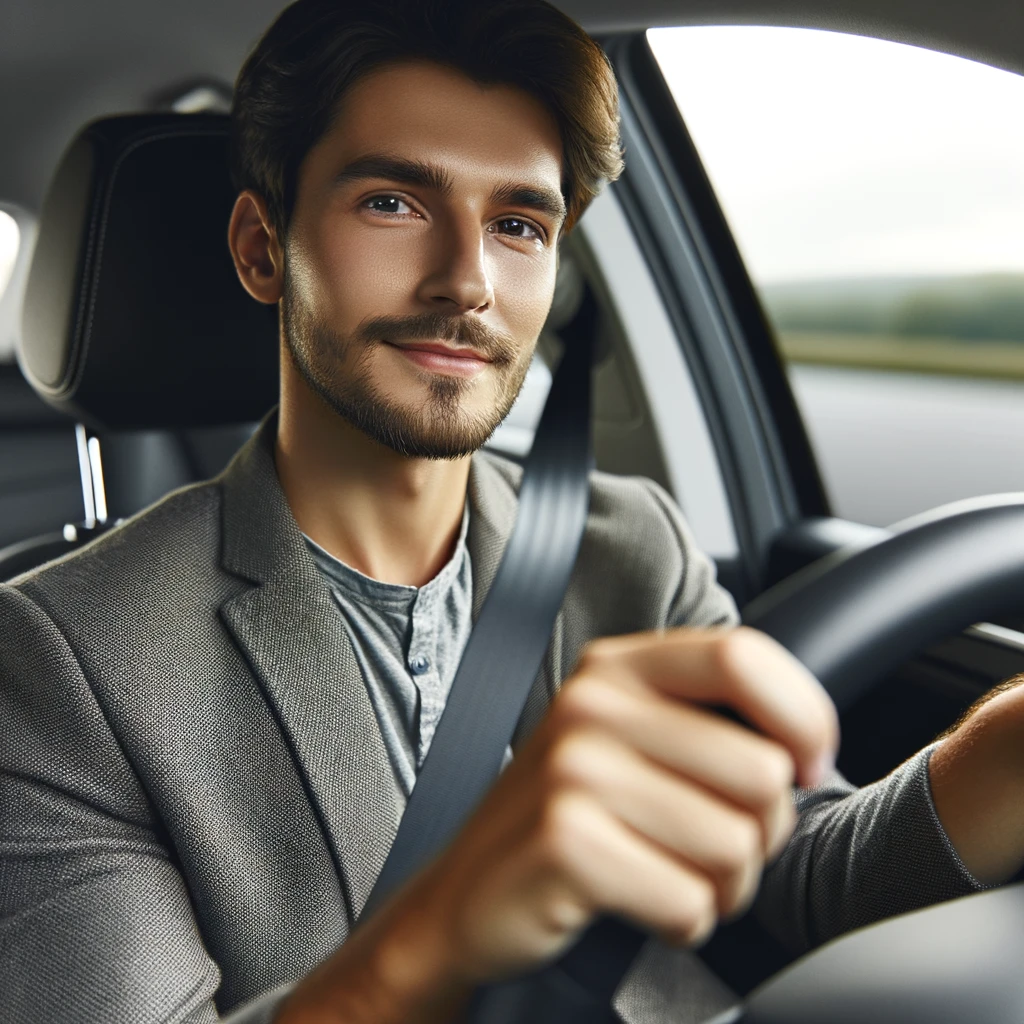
column 116, row 389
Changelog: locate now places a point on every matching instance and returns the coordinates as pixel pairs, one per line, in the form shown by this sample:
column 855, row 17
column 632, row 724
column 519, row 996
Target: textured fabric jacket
column 195, row 799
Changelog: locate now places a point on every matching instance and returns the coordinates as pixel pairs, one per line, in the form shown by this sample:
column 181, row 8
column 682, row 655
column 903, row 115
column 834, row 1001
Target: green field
column 952, row 356
column 971, row 325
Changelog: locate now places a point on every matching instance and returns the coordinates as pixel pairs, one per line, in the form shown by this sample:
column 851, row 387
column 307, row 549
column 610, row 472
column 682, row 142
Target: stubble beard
column 338, row 369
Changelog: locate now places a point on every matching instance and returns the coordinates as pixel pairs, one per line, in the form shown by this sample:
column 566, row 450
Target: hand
column 977, row 780
column 632, row 798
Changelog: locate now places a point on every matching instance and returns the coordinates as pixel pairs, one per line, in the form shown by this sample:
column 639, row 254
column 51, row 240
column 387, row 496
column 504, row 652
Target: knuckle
column 576, row 702
column 567, row 760
column 772, row 775
column 699, row 912
column 596, row 655
column 562, row 829
column 733, row 651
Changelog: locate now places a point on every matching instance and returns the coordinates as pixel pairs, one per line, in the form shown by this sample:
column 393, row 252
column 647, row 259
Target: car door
column 779, row 514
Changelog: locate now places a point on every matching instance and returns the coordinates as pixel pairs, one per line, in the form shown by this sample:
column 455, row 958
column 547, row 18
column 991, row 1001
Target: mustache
column 497, row 346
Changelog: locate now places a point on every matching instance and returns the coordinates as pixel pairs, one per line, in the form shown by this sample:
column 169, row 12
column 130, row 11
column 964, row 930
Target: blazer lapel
column 293, row 636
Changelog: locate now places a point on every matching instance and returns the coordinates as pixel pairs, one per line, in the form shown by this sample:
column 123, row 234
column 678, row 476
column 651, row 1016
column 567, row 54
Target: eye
column 388, row 205
column 519, row 229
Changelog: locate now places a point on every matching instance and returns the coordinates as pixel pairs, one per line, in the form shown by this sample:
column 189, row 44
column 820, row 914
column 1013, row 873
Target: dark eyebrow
column 537, row 197
column 393, row 168
column 545, row 200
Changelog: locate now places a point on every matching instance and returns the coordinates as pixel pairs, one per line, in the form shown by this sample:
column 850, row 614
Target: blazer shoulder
column 173, row 539
column 640, row 567
column 624, row 510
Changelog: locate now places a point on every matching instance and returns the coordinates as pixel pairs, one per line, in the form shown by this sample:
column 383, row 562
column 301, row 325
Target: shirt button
column 419, row 664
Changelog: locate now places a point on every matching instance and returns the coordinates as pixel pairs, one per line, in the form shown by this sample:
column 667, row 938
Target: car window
column 647, row 418
column 876, row 193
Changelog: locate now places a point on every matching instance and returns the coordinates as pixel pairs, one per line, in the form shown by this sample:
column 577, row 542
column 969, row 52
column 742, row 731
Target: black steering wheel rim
column 854, row 616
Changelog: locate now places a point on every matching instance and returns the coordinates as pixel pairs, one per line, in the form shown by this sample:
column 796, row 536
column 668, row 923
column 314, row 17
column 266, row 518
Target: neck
column 393, row 518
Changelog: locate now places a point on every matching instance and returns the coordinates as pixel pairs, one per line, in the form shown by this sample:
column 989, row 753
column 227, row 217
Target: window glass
column 8, row 248
column 876, row 192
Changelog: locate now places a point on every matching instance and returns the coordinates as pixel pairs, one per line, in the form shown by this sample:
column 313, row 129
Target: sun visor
column 133, row 316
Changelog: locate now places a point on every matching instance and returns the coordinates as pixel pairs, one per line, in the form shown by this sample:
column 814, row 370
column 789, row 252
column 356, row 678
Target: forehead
column 429, row 112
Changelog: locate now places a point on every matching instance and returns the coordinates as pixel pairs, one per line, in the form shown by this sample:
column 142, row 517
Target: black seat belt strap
column 507, row 644
column 498, row 668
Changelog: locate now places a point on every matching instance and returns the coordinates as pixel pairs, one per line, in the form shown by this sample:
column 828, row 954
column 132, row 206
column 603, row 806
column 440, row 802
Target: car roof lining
column 63, row 63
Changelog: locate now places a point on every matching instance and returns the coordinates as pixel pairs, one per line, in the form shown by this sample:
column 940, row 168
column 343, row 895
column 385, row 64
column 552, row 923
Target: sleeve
column 861, row 855
column 96, row 923
column 699, row 600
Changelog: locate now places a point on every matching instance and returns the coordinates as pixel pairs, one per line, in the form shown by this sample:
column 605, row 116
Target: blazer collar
column 293, row 637
column 292, row 634
column 262, row 541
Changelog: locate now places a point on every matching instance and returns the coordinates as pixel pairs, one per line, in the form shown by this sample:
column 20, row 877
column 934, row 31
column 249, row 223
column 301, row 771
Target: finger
column 705, row 833
column 614, row 871
column 740, row 668
column 744, row 768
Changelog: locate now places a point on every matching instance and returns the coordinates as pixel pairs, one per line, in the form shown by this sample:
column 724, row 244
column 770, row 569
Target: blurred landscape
column 969, row 325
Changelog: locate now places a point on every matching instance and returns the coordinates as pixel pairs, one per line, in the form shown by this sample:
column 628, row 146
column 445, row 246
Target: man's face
column 420, row 260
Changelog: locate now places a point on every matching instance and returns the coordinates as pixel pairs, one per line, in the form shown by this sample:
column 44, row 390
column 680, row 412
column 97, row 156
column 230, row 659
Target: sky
column 843, row 156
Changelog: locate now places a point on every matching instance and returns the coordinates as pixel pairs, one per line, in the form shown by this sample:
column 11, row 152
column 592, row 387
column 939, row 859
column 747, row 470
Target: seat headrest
column 134, row 317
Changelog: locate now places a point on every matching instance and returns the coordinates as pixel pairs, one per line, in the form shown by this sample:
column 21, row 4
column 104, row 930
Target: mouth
column 440, row 358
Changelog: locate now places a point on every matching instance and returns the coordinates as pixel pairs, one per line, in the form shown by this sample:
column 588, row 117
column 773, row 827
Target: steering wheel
column 851, row 618
column 857, row 614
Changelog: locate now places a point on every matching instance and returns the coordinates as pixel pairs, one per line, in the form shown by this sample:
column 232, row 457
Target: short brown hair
column 289, row 88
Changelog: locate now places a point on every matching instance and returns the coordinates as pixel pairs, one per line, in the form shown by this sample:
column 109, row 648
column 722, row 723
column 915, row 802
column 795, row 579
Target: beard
column 339, row 370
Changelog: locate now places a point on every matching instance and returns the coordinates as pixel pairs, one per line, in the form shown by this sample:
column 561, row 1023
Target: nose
column 458, row 279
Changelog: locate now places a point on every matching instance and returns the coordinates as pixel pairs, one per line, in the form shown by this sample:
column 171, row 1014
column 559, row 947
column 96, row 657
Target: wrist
column 394, row 969
column 413, row 958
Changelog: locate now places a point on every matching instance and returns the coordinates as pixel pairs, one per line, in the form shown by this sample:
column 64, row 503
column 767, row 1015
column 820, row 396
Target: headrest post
column 99, row 488
column 85, row 471
column 90, row 466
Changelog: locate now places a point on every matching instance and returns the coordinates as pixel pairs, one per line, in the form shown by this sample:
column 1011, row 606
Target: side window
column 876, row 192
column 647, row 418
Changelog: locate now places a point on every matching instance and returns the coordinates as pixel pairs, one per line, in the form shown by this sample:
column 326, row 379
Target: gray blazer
column 195, row 799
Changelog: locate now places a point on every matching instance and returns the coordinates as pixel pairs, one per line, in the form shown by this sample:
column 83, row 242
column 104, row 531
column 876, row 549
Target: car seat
column 134, row 322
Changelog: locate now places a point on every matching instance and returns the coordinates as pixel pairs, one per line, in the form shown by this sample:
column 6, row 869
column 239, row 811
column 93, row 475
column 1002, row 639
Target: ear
column 258, row 256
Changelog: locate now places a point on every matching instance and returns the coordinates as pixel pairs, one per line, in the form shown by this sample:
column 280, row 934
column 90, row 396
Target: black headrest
column 134, row 317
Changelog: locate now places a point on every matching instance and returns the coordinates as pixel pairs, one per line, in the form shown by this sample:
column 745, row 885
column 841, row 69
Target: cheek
column 363, row 273
column 524, row 291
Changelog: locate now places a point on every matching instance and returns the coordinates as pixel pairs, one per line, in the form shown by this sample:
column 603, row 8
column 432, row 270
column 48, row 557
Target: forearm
column 394, row 968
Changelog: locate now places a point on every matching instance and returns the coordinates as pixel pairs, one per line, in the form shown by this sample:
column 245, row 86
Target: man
column 212, row 717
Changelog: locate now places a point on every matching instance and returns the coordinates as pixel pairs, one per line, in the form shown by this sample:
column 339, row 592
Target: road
column 893, row 444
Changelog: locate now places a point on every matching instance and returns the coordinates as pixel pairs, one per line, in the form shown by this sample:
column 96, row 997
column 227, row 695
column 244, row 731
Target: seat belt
column 498, row 668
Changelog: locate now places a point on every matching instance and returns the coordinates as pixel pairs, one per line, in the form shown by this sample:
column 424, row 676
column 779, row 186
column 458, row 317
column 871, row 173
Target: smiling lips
column 457, row 362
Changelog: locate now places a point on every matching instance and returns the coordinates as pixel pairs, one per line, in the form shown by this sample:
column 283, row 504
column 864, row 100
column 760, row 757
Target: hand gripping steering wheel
column 851, row 618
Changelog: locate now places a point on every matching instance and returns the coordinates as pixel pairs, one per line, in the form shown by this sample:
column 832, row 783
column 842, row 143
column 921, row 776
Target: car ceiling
column 64, row 62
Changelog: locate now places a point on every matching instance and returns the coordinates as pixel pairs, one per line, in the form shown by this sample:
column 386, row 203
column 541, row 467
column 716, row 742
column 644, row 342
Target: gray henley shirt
column 408, row 642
